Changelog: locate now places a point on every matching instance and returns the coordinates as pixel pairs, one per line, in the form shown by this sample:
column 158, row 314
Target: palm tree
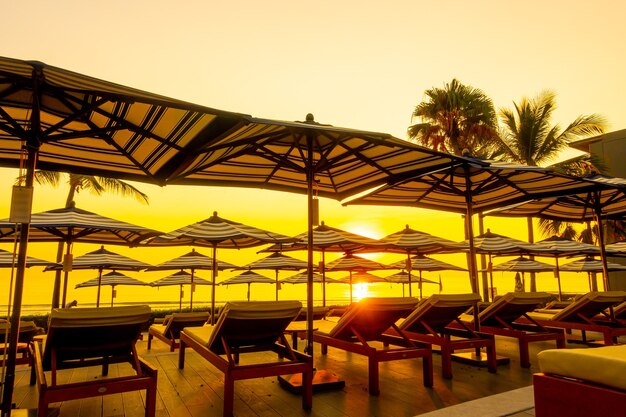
column 528, row 137
column 95, row 185
column 455, row 118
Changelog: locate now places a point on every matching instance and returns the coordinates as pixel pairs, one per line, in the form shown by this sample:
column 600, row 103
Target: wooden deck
column 197, row 390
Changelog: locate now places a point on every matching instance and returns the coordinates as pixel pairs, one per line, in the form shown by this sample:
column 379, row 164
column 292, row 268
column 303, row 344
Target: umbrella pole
column 248, row 291
column 277, row 285
column 66, row 272
column 490, row 278
column 310, row 208
column 214, row 275
column 180, row 298
column 605, row 271
column 112, row 294
column 350, row 287
column 9, row 380
column 99, row 284
column 408, row 271
column 323, row 278
column 557, row 274
column 192, row 288
column 420, row 284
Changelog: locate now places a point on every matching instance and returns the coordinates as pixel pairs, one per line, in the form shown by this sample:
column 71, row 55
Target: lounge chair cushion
column 602, row 365
column 512, row 306
column 589, row 305
column 246, row 323
column 438, row 310
column 371, row 316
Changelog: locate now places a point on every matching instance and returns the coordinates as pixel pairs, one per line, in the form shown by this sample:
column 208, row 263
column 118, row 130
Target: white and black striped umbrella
column 276, row 262
column 102, row 259
column 9, row 260
column 423, row 263
column 113, row 278
column 617, row 248
column 589, row 264
column 216, row 232
column 180, row 278
column 301, row 278
column 354, row 264
column 192, row 261
column 248, row 277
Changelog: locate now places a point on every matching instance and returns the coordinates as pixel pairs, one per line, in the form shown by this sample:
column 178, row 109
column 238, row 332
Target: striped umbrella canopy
column 354, row 263
column 248, row 277
column 522, row 265
column 180, row 278
column 9, row 260
column 606, row 199
column 403, row 277
column 113, row 279
column 423, row 263
column 360, row 278
column 192, row 260
column 302, row 277
column 71, row 225
column 102, row 259
column 329, row 239
column 617, row 248
column 472, row 186
column 276, row 262
column 217, row 232
column 63, row 121
column 591, row 265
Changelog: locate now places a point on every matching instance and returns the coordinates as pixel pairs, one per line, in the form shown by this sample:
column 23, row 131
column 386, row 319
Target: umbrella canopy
column 617, row 248
column 63, row 121
column 606, row 198
column 113, row 279
column 192, row 260
column 522, row 264
column 472, row 186
column 102, row 259
column 180, row 278
column 423, row 263
column 404, row 277
column 248, row 277
column 276, row 262
column 354, row 263
column 71, row 225
column 8, row 260
column 329, row 239
column 302, row 278
column 361, row 278
column 590, row 264
column 218, row 232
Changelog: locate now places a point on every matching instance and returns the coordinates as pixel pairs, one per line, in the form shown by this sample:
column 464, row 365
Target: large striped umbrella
column 472, row 186
column 354, row 263
column 217, row 232
column 180, row 278
column 329, row 239
column 606, row 199
column 423, row 263
column 192, row 261
column 248, row 277
column 276, row 262
column 102, row 259
column 9, row 259
column 71, row 225
column 113, row 278
column 63, row 121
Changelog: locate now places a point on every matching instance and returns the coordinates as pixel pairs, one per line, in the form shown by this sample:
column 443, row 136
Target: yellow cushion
column 602, row 365
column 103, row 316
column 158, row 328
column 201, row 334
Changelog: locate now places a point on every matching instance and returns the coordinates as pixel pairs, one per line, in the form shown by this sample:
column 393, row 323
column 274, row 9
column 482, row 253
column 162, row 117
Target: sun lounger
column 169, row 330
column 367, row 321
column 508, row 317
column 80, row 337
column 28, row 330
column 250, row 327
column 581, row 382
column 430, row 323
column 581, row 315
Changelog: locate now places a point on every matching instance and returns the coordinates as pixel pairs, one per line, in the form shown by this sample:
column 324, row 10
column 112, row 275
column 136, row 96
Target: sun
column 360, row 291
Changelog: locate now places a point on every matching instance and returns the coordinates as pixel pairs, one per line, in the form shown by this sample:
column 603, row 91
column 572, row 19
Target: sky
column 359, row 64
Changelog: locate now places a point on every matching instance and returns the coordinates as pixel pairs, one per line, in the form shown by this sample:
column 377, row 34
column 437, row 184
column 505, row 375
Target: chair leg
column 181, row 355
column 427, row 368
column 524, row 356
column 446, row 362
column 150, row 337
column 229, row 395
column 151, row 395
column 492, row 360
column 307, row 390
column 373, row 376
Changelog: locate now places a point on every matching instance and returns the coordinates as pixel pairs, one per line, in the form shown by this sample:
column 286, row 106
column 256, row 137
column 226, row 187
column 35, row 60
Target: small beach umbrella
column 248, row 277
column 423, row 263
column 113, row 279
column 591, row 265
column 180, row 278
column 404, row 277
column 412, row 241
column 329, row 239
column 102, row 259
column 354, row 263
column 192, row 261
column 522, row 265
column 73, row 225
column 301, row 278
column 276, row 262
column 216, row 232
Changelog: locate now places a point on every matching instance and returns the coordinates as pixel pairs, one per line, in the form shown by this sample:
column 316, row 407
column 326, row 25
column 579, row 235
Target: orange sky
column 356, row 64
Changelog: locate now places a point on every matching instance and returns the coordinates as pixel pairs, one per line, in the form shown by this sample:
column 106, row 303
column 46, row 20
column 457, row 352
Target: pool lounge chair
column 169, row 330
column 244, row 327
column 581, row 315
column 430, row 323
column 508, row 317
column 28, row 330
column 367, row 321
column 80, row 337
column 581, row 382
